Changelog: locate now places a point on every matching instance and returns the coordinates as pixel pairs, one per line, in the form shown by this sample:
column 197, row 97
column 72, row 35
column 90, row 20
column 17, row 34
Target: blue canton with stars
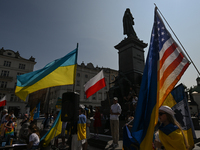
column 159, row 33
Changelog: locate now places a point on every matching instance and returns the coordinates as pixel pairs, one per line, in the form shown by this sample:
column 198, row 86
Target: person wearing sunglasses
column 171, row 136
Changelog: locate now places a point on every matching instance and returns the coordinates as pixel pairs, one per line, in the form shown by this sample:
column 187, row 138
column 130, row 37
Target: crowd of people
column 29, row 132
column 167, row 135
column 8, row 124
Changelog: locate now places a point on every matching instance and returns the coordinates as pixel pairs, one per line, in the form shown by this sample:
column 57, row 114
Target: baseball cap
column 5, row 110
column 81, row 106
column 115, row 98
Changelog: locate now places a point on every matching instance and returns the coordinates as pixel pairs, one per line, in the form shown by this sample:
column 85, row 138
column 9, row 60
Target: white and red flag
column 3, row 101
column 95, row 84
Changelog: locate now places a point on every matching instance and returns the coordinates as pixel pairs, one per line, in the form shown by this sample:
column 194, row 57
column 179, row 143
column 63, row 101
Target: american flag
column 165, row 64
column 172, row 62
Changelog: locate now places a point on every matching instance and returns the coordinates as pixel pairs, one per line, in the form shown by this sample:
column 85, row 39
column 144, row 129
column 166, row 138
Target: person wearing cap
column 115, row 111
column 171, row 135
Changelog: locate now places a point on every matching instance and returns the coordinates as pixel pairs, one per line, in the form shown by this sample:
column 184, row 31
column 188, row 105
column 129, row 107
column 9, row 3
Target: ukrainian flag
column 57, row 73
column 35, row 112
column 178, row 102
column 53, row 132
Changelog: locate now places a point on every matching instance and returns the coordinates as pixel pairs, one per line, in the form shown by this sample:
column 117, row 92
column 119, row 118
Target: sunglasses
column 161, row 113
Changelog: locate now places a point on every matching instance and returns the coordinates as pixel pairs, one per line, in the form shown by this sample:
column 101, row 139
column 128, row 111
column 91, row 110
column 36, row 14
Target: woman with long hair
column 170, row 133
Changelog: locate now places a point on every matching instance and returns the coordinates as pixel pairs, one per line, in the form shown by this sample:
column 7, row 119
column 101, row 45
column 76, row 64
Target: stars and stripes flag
column 172, row 62
column 165, row 64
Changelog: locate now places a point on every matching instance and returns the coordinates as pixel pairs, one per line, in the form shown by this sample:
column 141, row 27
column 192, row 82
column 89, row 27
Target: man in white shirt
column 115, row 111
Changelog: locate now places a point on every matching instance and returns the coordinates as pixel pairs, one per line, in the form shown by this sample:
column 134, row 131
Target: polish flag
column 3, row 101
column 95, row 84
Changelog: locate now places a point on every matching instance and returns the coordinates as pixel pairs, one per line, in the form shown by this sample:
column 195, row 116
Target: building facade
column 195, row 96
column 11, row 65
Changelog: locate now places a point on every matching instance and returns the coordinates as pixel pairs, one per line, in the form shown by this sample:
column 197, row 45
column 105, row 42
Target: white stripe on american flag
column 171, row 67
column 170, row 79
column 170, row 59
column 168, row 43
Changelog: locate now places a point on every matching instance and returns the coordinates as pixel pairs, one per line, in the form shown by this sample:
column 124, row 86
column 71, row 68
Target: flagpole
column 178, row 40
column 75, row 69
column 47, row 100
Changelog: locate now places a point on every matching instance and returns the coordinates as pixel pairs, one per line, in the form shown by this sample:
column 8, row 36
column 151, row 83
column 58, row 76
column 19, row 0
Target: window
column 22, row 66
column 94, row 96
column 7, row 63
column 12, row 97
column 3, row 84
column 78, row 75
column 4, row 73
column 100, row 96
column 112, row 78
column 19, row 73
column 105, row 95
column 86, row 76
column 84, row 95
column 15, row 85
column 78, row 83
column 2, row 95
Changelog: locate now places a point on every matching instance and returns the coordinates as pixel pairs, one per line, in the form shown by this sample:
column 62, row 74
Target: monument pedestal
column 131, row 60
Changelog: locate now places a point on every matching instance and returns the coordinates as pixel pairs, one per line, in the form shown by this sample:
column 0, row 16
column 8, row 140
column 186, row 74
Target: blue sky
column 48, row 30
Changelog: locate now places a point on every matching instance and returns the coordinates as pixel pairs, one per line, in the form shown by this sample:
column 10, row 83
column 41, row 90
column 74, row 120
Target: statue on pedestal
column 128, row 24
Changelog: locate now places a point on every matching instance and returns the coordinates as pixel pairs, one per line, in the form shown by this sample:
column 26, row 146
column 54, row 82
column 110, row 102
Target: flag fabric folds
column 165, row 64
column 57, row 73
column 54, row 131
column 37, row 111
column 3, row 101
column 95, row 84
column 177, row 100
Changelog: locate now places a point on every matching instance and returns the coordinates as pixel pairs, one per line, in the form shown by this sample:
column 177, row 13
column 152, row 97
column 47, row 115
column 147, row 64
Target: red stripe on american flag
column 168, row 90
column 171, row 68
column 167, row 53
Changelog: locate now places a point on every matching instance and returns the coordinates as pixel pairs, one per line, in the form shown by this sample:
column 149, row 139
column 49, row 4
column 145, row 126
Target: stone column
column 131, row 60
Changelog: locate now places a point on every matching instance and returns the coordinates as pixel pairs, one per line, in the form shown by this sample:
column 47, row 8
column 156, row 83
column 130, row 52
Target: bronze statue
column 128, row 24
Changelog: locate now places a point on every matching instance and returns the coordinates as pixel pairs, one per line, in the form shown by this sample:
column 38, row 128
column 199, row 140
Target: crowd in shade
column 30, row 135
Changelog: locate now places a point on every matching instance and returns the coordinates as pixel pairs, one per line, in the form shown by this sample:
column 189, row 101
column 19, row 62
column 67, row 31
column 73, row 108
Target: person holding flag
column 170, row 132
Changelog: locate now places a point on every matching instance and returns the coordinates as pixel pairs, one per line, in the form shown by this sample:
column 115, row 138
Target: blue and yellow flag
column 37, row 111
column 57, row 73
column 81, row 127
column 54, row 131
column 177, row 100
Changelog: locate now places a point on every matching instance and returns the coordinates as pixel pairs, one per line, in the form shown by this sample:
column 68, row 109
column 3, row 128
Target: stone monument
column 131, row 53
column 131, row 66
